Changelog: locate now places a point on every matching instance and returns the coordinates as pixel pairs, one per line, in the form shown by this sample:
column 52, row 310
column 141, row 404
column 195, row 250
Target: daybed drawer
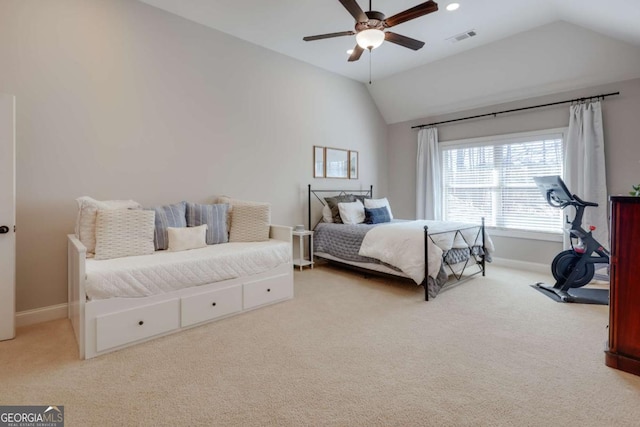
column 127, row 326
column 209, row 305
column 267, row 290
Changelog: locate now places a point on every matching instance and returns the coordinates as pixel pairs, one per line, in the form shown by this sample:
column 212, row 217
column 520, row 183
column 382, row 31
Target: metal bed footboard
column 479, row 259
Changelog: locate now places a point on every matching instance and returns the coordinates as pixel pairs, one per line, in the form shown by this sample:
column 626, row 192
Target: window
column 493, row 177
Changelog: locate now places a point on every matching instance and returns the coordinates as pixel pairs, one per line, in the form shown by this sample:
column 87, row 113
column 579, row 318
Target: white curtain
column 584, row 166
column 428, row 186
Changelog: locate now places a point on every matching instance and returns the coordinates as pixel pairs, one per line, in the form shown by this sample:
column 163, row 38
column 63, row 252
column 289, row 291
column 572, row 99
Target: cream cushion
column 86, row 220
column 378, row 203
column 124, row 232
column 351, row 213
column 185, row 238
column 250, row 223
column 327, row 216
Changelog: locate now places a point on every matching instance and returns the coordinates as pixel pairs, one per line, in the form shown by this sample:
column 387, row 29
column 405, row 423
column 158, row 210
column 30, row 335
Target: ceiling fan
column 370, row 27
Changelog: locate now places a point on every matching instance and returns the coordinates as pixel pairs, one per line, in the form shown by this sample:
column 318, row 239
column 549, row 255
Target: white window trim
column 524, row 234
column 511, row 137
column 482, row 140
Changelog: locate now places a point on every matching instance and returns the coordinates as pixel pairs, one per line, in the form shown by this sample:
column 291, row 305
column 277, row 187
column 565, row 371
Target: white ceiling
column 280, row 25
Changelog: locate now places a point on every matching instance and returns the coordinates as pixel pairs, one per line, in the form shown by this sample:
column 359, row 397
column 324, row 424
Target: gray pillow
column 332, row 202
column 214, row 216
column 168, row 216
column 361, row 197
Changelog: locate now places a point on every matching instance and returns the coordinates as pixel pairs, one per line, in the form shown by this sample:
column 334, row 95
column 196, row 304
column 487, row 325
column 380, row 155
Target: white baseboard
column 39, row 315
column 521, row 265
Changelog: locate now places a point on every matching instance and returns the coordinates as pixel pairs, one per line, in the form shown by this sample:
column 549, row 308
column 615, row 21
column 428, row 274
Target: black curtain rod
column 519, row 109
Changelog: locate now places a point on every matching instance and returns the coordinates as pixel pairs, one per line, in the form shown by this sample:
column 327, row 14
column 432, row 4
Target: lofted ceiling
column 280, row 25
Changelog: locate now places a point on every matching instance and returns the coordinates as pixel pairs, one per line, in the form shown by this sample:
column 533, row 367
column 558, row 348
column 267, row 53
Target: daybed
column 359, row 231
column 124, row 300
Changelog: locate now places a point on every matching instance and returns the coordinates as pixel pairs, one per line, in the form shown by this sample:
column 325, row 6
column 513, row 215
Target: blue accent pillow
column 215, row 216
column 168, row 216
column 376, row 215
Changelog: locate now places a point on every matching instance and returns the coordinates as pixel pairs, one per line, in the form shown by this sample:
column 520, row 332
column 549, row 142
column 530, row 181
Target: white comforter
column 164, row 271
column 402, row 244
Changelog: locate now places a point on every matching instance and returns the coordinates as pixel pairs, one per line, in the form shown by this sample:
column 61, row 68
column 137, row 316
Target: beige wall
column 622, row 150
column 117, row 100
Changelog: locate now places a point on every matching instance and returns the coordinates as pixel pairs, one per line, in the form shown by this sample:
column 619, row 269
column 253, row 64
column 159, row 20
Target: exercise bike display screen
column 553, row 188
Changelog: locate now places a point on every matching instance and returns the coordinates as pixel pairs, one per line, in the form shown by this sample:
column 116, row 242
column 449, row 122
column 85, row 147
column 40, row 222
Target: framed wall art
column 353, row 164
column 337, row 163
column 318, row 162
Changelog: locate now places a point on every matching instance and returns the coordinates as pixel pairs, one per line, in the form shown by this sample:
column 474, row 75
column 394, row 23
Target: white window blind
column 493, row 177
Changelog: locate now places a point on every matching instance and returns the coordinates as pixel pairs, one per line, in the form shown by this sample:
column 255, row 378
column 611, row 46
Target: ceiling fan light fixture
column 452, row 6
column 370, row 39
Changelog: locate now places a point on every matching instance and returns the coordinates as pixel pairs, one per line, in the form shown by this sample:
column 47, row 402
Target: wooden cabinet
column 623, row 350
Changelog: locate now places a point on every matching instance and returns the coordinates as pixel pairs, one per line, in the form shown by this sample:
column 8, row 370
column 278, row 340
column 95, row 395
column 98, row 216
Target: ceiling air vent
column 462, row 36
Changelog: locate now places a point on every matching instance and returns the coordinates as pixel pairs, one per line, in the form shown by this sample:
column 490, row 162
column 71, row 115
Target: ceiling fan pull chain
column 370, row 54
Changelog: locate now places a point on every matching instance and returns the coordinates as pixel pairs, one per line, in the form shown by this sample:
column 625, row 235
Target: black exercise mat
column 580, row 295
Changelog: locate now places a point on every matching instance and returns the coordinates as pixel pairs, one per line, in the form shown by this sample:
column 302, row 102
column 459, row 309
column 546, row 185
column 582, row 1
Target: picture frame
column 353, row 164
column 336, row 163
column 318, row 162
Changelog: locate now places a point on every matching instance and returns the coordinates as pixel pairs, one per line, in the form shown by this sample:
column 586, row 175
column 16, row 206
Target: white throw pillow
column 327, row 216
column 378, row 203
column 124, row 232
column 184, row 238
column 86, row 220
column 250, row 223
column 351, row 213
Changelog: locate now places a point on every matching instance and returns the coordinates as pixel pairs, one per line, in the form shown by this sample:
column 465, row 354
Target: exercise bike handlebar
column 575, row 201
column 583, row 203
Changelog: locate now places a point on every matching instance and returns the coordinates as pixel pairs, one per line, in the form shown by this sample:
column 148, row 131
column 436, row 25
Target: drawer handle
column 141, row 322
column 268, row 289
column 213, row 304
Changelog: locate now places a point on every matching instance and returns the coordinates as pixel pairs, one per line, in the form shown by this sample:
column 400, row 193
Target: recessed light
column 350, row 51
column 452, row 6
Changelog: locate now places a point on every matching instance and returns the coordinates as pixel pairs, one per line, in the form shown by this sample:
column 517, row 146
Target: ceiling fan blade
column 357, row 52
column 328, row 36
column 409, row 14
column 354, row 10
column 403, row 40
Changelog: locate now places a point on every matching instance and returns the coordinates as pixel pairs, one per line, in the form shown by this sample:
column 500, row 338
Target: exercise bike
column 573, row 268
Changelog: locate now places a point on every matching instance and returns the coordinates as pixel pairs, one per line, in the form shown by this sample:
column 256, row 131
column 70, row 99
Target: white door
column 7, row 217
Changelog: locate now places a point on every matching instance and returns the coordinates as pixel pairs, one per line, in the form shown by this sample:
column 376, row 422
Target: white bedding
column 165, row 271
column 402, row 244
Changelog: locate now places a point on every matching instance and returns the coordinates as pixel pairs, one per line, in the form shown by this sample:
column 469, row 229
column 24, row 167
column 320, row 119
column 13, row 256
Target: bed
column 453, row 252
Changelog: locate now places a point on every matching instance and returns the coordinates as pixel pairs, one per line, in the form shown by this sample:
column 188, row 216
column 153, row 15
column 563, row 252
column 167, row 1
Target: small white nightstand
column 301, row 261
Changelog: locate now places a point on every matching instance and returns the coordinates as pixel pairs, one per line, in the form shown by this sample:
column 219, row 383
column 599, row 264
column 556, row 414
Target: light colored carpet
column 346, row 351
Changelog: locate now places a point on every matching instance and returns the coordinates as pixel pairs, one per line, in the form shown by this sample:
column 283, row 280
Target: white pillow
column 351, row 213
column 184, row 238
column 327, row 216
column 86, row 220
column 124, row 232
column 378, row 203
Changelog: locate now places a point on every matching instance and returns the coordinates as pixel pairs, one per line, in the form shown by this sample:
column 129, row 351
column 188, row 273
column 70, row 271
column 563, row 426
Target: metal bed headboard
column 318, row 193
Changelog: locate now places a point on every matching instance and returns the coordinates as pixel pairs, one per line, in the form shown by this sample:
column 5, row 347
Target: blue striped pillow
column 215, row 216
column 168, row 216
column 376, row 215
